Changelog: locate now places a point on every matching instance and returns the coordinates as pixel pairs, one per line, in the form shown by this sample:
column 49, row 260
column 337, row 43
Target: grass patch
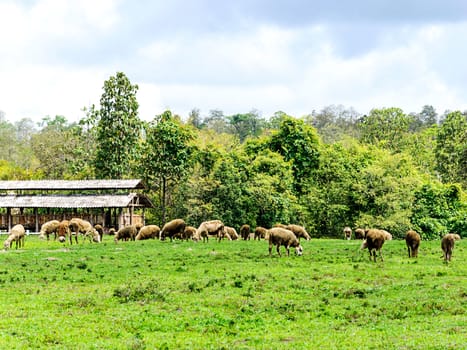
column 183, row 295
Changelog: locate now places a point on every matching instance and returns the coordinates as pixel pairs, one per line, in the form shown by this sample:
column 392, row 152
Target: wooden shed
column 111, row 203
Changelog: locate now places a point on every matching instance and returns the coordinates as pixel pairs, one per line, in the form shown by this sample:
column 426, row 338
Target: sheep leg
column 408, row 249
column 270, row 248
column 278, row 249
column 288, row 250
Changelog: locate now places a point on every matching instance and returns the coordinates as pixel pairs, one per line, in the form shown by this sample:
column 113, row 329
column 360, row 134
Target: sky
column 295, row 56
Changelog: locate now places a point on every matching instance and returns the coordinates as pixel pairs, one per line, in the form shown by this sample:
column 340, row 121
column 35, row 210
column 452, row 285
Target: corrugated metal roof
column 84, row 201
column 71, row 185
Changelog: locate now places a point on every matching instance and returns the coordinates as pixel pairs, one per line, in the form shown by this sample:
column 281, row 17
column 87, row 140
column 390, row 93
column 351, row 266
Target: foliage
column 387, row 128
column 439, row 209
column 166, row 157
column 117, row 128
column 451, row 148
column 298, row 143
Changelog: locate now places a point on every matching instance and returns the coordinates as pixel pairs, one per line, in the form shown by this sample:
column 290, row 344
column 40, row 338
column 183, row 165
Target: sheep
column 280, row 236
column 359, row 233
column 112, row 231
column 374, row 242
column 16, row 235
column 48, row 228
column 126, row 233
column 387, row 235
column 299, row 232
column 190, row 233
column 63, row 231
column 245, row 232
column 84, row 227
column 447, row 245
column 212, row 227
column 347, row 233
column 148, row 231
column 260, row 232
column 412, row 240
column 100, row 231
column 172, row 228
column 231, row 232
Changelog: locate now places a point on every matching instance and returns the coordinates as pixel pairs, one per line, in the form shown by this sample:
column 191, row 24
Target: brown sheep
column 100, row 231
column 374, row 242
column 245, row 232
column 16, row 235
column 347, row 233
column 299, row 231
column 359, row 233
column 190, row 233
column 126, row 233
column 172, row 228
column 48, row 228
column 447, row 245
column 84, row 227
column 212, row 227
column 63, row 231
column 280, row 236
column 412, row 240
column 260, row 233
column 147, row 232
column 231, row 232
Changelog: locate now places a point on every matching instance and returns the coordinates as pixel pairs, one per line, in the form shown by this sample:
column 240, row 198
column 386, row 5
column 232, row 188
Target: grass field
column 230, row 295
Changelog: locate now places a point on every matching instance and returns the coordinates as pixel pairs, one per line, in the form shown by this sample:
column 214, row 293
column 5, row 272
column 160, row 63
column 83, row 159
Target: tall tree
column 166, row 156
column 451, row 148
column 387, row 127
column 244, row 125
column 298, row 143
column 118, row 128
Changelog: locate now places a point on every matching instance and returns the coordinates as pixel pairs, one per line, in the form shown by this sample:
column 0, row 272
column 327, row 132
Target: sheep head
column 299, row 250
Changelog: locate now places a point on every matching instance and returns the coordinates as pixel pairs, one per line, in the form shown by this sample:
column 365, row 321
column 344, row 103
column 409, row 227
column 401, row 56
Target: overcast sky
column 294, row 56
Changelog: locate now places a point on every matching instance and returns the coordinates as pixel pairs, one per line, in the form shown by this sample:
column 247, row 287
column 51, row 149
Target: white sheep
column 48, row 228
column 212, row 227
column 299, row 231
column 16, row 235
column 347, row 233
column 280, row 236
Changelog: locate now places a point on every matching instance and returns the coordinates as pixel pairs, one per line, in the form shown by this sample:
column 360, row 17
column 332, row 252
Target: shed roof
column 71, row 185
column 83, row 201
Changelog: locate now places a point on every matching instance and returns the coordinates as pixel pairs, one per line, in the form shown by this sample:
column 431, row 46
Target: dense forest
column 325, row 170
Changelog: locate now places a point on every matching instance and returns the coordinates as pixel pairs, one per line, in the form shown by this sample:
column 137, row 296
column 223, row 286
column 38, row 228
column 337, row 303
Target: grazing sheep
column 172, row 228
column 347, row 233
column 147, row 232
column 245, row 232
column 126, row 233
column 112, row 231
column 212, row 227
column 16, row 235
column 374, row 242
column 412, row 240
column 280, row 225
column 299, row 231
column 447, row 245
column 190, row 233
column 231, row 232
column 359, row 233
column 100, row 231
column 280, row 236
column 48, row 228
column 387, row 235
column 84, row 227
column 63, row 231
column 260, row 232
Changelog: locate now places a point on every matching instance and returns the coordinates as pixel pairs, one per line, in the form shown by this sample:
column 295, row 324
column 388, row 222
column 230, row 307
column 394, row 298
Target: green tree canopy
column 118, row 128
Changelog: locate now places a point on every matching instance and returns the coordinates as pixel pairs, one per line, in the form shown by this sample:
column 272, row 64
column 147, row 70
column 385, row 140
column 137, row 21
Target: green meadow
column 230, row 295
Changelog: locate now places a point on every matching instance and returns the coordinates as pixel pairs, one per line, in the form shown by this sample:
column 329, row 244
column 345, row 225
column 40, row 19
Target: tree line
column 326, row 170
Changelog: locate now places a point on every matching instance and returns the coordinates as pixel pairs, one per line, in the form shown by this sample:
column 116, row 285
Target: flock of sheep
column 373, row 239
column 280, row 235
